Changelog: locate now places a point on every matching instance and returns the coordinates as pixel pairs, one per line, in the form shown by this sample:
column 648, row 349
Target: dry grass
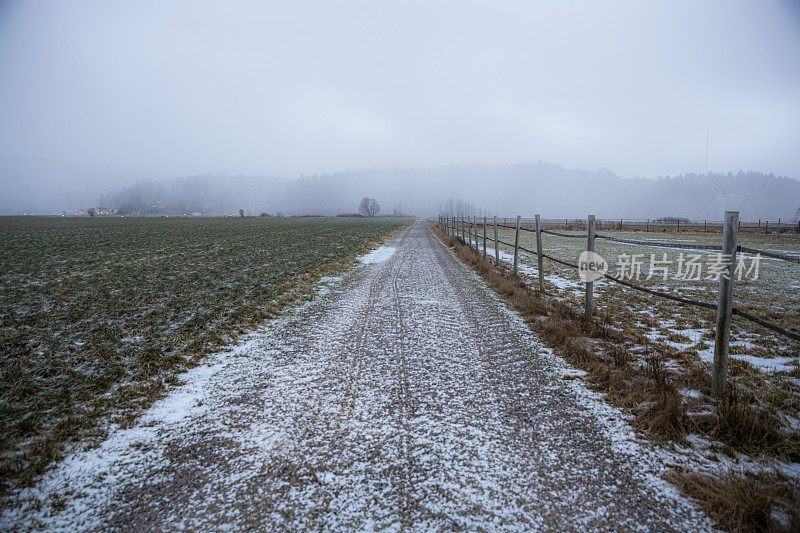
column 745, row 502
column 753, row 429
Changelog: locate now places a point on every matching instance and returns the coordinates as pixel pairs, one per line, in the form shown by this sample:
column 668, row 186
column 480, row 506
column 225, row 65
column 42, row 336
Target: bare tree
column 369, row 207
column 797, row 215
column 241, row 213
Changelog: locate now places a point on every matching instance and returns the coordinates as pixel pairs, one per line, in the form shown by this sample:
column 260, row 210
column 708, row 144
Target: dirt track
column 405, row 397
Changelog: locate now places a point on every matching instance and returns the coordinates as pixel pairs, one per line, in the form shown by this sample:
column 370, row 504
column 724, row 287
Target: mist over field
column 505, row 190
column 212, row 108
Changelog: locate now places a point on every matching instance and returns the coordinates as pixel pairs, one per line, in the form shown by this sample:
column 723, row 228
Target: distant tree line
column 522, row 189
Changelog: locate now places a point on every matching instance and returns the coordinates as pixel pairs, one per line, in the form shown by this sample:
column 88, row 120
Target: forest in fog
column 511, row 189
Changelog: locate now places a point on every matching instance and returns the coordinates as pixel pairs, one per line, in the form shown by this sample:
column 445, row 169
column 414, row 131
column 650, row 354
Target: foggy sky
column 99, row 94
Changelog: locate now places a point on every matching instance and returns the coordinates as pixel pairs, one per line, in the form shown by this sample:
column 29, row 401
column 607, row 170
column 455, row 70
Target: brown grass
column 665, row 418
column 745, row 502
column 753, row 429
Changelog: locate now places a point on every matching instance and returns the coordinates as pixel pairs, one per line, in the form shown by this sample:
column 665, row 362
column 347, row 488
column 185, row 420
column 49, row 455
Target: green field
column 97, row 315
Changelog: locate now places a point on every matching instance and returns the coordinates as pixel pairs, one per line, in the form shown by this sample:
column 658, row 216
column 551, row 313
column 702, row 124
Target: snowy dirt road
column 405, row 397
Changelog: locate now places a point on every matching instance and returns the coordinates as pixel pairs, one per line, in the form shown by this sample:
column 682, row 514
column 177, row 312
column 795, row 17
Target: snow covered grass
column 773, row 295
column 761, row 360
column 97, row 316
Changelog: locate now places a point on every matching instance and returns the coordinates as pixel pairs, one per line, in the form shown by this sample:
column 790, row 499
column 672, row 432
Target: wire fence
column 467, row 231
column 665, row 224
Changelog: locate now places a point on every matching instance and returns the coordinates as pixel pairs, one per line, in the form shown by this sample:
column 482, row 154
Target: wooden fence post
column 470, row 225
column 516, row 246
column 539, row 252
column 589, row 284
column 496, row 248
column 725, row 303
column 475, row 223
column 484, row 237
column 471, row 222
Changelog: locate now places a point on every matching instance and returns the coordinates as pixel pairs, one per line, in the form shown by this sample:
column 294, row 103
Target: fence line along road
column 455, row 226
column 671, row 224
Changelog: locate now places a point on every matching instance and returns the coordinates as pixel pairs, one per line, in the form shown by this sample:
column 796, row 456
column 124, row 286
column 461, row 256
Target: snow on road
column 406, row 396
column 378, row 255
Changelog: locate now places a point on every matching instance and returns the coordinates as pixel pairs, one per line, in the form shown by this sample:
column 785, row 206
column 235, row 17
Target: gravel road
column 406, row 396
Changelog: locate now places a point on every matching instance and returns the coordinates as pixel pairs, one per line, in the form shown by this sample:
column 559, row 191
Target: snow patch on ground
column 378, row 255
column 767, row 365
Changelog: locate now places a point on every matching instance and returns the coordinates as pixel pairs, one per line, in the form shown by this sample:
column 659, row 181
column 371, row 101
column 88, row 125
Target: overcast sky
column 109, row 92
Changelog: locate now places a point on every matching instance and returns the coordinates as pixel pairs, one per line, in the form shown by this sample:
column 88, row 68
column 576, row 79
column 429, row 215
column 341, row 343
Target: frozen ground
column 406, row 396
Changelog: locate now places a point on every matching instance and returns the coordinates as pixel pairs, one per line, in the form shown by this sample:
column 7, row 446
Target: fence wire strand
column 769, row 325
column 660, row 244
column 568, row 235
column 772, row 255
